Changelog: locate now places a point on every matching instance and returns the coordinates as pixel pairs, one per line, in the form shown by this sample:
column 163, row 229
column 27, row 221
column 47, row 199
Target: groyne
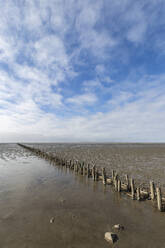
column 128, row 186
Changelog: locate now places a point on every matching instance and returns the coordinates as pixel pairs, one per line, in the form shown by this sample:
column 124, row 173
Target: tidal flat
column 33, row 192
column 143, row 162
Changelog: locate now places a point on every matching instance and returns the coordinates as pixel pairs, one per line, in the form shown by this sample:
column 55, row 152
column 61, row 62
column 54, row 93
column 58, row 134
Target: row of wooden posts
column 136, row 193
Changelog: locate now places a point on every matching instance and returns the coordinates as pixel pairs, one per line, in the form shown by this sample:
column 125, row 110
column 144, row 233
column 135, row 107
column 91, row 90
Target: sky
column 82, row 71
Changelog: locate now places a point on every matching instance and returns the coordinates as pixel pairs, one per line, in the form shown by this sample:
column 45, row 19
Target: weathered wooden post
column 78, row 167
column 97, row 174
column 116, row 182
column 119, row 186
column 159, row 198
column 127, row 182
column 75, row 166
column 84, row 170
column 104, row 176
column 132, row 189
column 138, row 194
column 93, row 173
column 88, row 171
column 152, row 190
column 81, row 168
column 72, row 164
column 113, row 175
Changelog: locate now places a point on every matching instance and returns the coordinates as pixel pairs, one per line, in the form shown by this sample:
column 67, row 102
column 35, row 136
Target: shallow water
column 32, row 192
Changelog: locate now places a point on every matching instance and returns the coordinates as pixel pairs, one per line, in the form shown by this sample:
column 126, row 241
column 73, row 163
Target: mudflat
column 49, row 206
column 143, row 162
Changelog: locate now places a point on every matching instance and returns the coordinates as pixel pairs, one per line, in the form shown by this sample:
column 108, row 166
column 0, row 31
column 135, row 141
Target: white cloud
column 41, row 47
column 32, row 17
column 103, row 74
column 100, row 69
column 137, row 33
column 131, row 122
column 85, row 99
column 31, row 74
column 137, row 22
column 89, row 15
column 97, row 42
column 121, row 98
column 7, row 49
column 89, row 85
column 51, row 49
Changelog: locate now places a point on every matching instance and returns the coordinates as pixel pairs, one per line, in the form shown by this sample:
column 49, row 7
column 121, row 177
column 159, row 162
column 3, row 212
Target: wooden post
column 72, row 165
column 138, row 193
column 113, row 175
column 88, row 171
column 132, row 189
column 116, row 184
column 119, row 186
column 104, row 175
column 93, row 173
column 116, row 181
column 116, row 175
column 78, row 167
column 127, row 182
column 152, row 190
column 84, row 170
column 81, row 170
column 159, row 198
column 97, row 174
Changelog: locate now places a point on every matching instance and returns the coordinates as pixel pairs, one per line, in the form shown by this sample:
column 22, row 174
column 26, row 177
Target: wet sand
column 32, row 192
column 143, row 162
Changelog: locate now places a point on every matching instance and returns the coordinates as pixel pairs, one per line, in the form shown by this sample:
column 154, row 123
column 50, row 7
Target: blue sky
column 86, row 70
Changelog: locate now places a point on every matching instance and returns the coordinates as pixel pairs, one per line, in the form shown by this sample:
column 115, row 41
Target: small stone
column 111, row 237
column 118, row 227
column 62, row 201
column 52, row 220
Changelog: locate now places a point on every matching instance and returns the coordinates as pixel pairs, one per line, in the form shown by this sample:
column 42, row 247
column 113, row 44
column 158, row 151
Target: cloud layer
column 82, row 71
